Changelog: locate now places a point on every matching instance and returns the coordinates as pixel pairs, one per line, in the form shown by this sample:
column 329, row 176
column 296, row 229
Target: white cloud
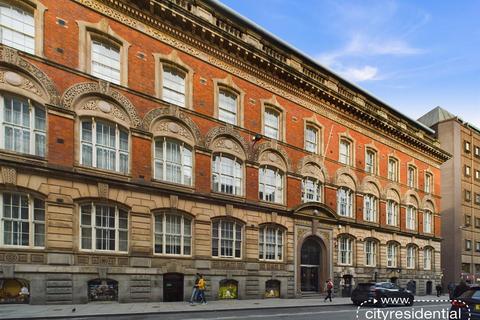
column 360, row 74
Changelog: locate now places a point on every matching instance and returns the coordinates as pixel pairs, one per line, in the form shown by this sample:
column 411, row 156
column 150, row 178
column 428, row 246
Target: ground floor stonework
column 87, row 240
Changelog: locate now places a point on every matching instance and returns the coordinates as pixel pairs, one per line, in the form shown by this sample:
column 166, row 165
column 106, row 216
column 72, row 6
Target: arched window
column 427, row 258
column 411, row 217
column 227, row 174
column 22, row 219
column 411, row 257
column 370, row 204
column 271, row 184
column 226, row 239
column 23, row 125
column 370, row 253
column 17, row 28
column 427, row 221
column 345, row 253
column 173, row 234
column 105, row 145
column 392, row 213
column 270, row 243
column 371, row 161
column 412, row 176
column 103, row 227
column 173, row 161
column 345, row 202
column 311, row 190
column 173, row 85
column 392, row 255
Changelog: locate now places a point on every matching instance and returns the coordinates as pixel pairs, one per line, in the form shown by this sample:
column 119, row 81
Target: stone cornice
column 167, row 22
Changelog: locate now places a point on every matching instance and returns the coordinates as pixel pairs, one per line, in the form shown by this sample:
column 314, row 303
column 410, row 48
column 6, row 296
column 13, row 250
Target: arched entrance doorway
column 310, row 265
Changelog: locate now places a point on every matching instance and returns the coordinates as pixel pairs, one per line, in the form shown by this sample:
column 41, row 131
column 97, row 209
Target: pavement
column 20, row 311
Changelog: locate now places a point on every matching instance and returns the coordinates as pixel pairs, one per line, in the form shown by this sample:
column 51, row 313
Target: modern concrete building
column 460, row 195
column 145, row 141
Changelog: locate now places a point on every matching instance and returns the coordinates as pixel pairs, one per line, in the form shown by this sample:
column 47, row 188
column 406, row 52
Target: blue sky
column 412, row 54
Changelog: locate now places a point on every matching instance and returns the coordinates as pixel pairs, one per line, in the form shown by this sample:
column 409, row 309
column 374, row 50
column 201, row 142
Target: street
column 298, row 313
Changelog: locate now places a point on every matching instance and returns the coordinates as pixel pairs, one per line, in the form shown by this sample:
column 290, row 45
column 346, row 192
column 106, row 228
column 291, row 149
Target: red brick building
column 145, row 141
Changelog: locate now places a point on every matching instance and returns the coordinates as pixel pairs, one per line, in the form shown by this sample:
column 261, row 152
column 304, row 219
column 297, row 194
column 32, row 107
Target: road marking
column 271, row 315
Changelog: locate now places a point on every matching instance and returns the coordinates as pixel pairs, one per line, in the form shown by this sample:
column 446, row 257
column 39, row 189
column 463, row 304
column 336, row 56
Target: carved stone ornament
column 259, row 154
column 103, row 190
column 104, row 106
column 216, row 132
column 13, row 78
column 172, row 112
column 9, row 175
column 9, row 56
column 167, row 127
column 101, row 88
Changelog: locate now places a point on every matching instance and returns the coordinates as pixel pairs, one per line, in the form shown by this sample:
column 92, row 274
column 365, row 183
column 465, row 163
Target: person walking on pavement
column 329, row 284
column 460, row 289
column 439, row 289
column 194, row 296
column 451, row 287
column 202, row 285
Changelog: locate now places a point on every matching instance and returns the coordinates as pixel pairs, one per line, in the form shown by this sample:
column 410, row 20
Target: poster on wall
column 102, row 290
column 272, row 289
column 228, row 289
column 14, row 291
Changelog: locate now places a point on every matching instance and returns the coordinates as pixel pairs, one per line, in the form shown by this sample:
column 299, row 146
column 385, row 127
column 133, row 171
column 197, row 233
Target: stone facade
column 212, row 53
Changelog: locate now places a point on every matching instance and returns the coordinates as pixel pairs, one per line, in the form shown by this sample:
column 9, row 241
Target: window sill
column 104, row 252
column 96, row 172
column 170, row 256
column 227, row 259
column 272, row 204
column 16, row 248
column 174, row 186
column 271, row 261
column 227, row 196
column 22, row 157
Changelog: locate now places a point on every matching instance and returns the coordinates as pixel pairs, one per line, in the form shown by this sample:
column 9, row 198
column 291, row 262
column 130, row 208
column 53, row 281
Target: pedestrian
column 194, row 296
column 438, row 287
column 460, row 289
column 202, row 285
column 451, row 287
column 329, row 285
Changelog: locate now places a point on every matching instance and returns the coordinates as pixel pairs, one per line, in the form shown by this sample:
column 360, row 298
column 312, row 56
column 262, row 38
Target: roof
column 434, row 116
column 222, row 7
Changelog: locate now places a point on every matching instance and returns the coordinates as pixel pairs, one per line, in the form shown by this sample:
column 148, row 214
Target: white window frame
column 411, row 218
column 164, row 234
column 169, row 85
column 316, row 195
column 31, row 128
column 277, row 244
column 269, row 128
column 370, row 253
column 392, row 255
column 32, row 222
column 427, row 259
column 279, row 189
column 218, row 175
column 370, row 161
column 345, row 152
column 312, row 145
column 393, row 169
column 220, row 240
column 224, row 112
column 27, row 19
column 392, row 213
column 427, row 221
column 411, row 177
column 345, row 251
column 95, row 64
column 370, row 205
column 428, row 182
column 185, row 167
column 93, row 227
column 345, row 202
column 93, row 144
column 411, row 257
